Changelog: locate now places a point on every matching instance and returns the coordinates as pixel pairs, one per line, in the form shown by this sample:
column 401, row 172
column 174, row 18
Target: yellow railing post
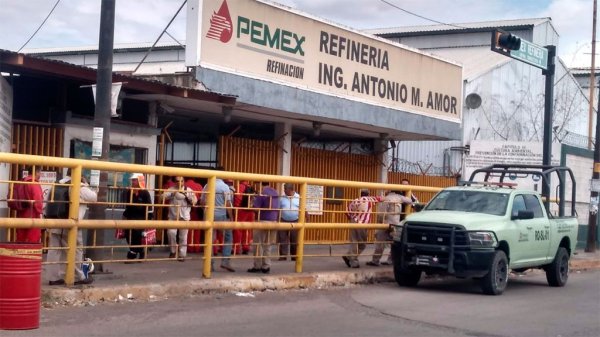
column 409, row 209
column 301, row 230
column 73, row 214
column 209, row 217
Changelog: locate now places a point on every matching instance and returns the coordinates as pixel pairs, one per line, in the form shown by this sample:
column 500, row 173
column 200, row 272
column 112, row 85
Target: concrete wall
column 312, row 104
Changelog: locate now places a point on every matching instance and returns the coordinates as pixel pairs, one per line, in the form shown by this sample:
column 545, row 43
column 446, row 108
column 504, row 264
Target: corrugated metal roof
column 476, row 61
column 484, row 25
column 117, row 47
column 79, row 71
column 583, row 71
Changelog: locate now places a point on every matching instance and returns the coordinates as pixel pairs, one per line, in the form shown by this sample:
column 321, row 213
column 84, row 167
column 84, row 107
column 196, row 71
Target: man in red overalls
column 34, row 208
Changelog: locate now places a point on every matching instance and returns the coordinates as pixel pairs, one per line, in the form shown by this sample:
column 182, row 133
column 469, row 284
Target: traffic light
column 509, row 41
column 503, row 42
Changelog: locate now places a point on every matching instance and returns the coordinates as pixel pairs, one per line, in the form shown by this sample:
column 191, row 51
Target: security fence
column 314, row 195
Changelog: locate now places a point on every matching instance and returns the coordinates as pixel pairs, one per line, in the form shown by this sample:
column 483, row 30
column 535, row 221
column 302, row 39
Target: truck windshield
column 470, row 201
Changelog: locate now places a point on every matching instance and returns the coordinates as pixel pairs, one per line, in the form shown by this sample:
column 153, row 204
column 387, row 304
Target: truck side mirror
column 522, row 215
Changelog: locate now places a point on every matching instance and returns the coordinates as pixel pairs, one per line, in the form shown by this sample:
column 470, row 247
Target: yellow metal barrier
column 73, row 223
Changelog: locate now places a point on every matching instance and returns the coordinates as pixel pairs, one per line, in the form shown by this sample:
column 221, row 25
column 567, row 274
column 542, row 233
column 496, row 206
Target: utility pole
column 593, row 215
column 592, row 79
column 592, row 238
column 102, row 116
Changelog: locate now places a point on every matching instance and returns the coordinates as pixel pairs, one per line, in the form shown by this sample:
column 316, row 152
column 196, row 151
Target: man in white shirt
column 289, row 203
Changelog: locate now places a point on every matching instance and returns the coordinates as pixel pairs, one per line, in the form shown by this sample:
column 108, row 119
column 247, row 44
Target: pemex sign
column 266, row 41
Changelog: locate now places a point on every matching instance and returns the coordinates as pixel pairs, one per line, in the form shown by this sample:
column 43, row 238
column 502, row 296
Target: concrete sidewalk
column 157, row 280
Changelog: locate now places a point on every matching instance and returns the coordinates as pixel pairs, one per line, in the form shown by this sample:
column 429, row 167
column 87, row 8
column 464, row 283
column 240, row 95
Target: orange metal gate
column 259, row 156
column 36, row 140
column 317, row 163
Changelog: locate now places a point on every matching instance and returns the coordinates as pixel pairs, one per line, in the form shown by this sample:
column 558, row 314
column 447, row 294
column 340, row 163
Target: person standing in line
column 223, row 212
column 180, row 198
column 194, row 235
column 413, row 197
column 267, row 204
column 392, row 204
column 138, row 201
column 31, row 205
column 242, row 201
column 59, row 236
column 289, row 203
column 359, row 212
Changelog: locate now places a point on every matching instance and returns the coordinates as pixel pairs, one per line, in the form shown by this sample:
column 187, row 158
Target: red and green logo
column 221, row 27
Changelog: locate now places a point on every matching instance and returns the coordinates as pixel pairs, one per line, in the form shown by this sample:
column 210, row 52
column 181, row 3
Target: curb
column 183, row 288
column 578, row 265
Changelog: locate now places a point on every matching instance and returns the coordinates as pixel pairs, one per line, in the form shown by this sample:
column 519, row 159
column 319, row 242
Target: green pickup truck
column 485, row 229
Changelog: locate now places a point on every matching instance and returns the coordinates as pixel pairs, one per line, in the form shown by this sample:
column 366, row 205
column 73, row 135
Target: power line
column 40, row 27
column 160, row 36
column 420, row 16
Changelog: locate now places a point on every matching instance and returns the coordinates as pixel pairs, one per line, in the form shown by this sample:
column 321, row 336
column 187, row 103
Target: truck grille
column 436, row 234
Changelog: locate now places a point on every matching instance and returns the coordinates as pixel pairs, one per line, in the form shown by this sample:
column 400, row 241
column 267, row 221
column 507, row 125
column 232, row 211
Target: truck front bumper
column 438, row 259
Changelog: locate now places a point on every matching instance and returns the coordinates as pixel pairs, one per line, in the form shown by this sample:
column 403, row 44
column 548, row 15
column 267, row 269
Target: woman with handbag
column 138, row 202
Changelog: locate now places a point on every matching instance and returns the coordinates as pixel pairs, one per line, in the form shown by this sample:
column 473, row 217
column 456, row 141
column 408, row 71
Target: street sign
column 531, row 53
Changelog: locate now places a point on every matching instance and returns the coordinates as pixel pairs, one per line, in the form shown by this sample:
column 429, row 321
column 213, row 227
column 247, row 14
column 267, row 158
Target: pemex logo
column 221, row 27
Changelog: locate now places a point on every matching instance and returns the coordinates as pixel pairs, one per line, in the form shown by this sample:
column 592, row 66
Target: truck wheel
column 494, row 282
column 407, row 277
column 557, row 272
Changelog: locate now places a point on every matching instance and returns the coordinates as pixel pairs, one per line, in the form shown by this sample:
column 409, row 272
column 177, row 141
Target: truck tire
column 557, row 272
column 494, row 282
column 406, row 277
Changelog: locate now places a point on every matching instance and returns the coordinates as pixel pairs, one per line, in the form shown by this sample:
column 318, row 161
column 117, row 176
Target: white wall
column 134, row 138
column 582, row 169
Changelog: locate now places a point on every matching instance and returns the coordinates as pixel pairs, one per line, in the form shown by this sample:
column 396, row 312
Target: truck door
column 541, row 227
column 529, row 250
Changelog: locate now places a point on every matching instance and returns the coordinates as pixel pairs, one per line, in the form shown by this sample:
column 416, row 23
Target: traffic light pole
column 548, row 106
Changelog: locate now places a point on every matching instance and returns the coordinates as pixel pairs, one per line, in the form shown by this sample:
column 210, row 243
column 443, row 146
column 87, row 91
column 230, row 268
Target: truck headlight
column 396, row 231
column 483, row 239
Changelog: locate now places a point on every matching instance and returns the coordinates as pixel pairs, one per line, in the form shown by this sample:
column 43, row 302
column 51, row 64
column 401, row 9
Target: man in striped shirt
column 359, row 212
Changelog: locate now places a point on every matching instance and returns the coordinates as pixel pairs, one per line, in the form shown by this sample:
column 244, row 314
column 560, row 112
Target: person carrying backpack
column 28, row 201
column 58, row 208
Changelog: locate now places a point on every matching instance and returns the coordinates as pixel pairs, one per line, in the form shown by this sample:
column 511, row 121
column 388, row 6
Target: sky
column 76, row 22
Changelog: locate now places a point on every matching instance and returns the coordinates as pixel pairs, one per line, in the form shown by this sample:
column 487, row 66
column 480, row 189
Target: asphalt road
column 439, row 307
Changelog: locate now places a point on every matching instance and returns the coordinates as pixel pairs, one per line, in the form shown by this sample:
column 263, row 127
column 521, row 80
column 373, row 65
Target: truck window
column 533, row 204
column 518, row 205
column 469, row 201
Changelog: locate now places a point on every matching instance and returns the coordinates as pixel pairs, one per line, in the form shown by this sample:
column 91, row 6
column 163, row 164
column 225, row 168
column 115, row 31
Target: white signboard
column 47, row 178
column 267, row 41
column 487, row 153
column 6, row 104
column 97, row 135
column 314, row 199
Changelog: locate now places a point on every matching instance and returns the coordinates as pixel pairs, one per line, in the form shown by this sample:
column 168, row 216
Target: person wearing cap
column 181, row 198
column 359, row 212
column 138, row 202
column 223, row 212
